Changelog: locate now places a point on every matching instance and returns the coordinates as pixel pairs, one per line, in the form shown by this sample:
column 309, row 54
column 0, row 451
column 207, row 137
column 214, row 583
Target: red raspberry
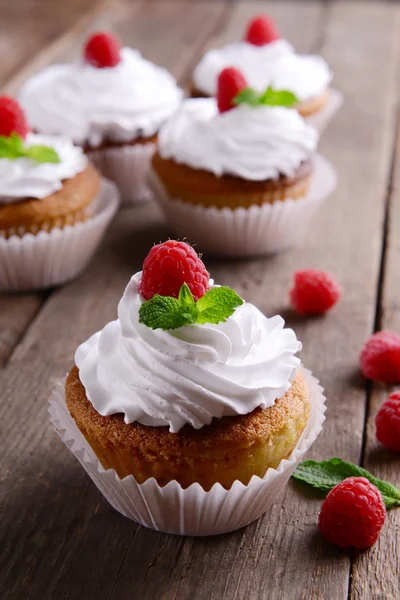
column 12, row 118
column 314, row 292
column 230, row 83
column 261, row 31
column 380, row 357
column 352, row 514
column 102, row 50
column 387, row 422
column 168, row 266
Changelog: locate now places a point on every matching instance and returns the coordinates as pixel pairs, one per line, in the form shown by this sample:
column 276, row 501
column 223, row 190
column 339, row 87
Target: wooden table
column 59, row 538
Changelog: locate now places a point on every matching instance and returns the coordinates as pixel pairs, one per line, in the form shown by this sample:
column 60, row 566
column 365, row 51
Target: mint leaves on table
column 13, row 147
column 166, row 312
column 326, row 474
column 270, row 97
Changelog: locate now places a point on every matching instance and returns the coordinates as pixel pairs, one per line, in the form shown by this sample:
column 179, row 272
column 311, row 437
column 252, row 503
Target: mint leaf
column 247, row 96
column 42, row 154
column 217, row 305
column 273, row 97
column 185, row 296
column 165, row 312
column 13, row 147
column 325, row 475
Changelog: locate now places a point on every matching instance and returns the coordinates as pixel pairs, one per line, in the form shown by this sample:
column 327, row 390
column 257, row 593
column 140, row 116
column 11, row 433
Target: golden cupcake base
column 229, row 449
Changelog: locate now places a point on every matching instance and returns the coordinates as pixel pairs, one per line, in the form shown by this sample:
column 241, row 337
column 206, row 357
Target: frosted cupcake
column 266, row 60
column 112, row 103
column 190, row 389
column 48, row 190
column 227, row 170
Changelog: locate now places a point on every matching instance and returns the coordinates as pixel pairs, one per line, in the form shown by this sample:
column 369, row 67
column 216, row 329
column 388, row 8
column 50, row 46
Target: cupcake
column 267, row 60
column 235, row 173
column 191, row 390
column 111, row 103
column 48, row 191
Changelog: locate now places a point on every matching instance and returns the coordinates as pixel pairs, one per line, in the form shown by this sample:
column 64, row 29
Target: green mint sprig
column 165, row 312
column 326, row 474
column 13, row 147
column 270, row 97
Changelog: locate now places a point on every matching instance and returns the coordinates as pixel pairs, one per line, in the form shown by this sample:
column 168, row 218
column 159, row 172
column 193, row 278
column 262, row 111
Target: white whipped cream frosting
column 26, row 178
column 91, row 105
column 255, row 143
column 188, row 375
column 274, row 64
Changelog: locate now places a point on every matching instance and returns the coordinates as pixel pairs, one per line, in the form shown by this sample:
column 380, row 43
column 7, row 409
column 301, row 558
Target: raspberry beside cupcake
column 266, row 60
column 112, row 103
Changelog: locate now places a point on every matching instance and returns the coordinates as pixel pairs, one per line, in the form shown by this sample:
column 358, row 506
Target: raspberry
column 102, row 50
column 380, row 357
column 352, row 514
column 168, row 266
column 12, row 118
column 314, row 292
column 261, row 31
column 230, row 83
column 387, row 422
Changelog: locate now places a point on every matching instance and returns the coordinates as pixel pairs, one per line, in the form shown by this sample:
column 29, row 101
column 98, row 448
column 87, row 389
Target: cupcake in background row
column 54, row 206
column 238, row 174
column 267, row 60
column 191, row 410
column 112, row 103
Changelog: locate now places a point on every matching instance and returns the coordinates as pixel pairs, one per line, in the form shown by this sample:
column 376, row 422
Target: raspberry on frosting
column 168, row 266
column 230, row 82
column 380, row 357
column 102, row 50
column 353, row 514
column 261, row 31
column 12, row 118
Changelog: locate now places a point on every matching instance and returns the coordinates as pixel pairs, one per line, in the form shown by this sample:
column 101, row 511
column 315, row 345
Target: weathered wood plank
column 376, row 573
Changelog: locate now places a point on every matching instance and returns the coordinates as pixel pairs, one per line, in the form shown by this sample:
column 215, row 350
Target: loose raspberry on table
column 230, row 82
column 12, row 118
column 352, row 514
column 261, row 31
column 168, row 266
column 387, row 422
column 380, row 357
column 102, row 50
column 314, row 292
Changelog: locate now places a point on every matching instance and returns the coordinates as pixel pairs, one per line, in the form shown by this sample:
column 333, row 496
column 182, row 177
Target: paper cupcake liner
column 128, row 166
column 190, row 511
column 322, row 118
column 252, row 231
column 54, row 257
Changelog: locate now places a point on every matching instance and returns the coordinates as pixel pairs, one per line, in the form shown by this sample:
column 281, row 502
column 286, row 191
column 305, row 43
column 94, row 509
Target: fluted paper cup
column 257, row 230
column 54, row 257
column 190, row 511
column 128, row 166
column 322, row 118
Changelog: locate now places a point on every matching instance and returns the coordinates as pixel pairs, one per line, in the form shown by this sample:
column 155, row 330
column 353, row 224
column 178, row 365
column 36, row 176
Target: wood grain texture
column 58, row 537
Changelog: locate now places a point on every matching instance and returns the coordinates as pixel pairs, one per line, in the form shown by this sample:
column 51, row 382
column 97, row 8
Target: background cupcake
column 192, row 392
column 112, row 103
column 235, row 173
column 48, row 190
column 267, row 60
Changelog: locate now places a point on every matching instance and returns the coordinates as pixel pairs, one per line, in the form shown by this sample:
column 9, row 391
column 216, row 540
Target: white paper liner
column 128, row 166
column 190, row 511
column 51, row 258
column 252, row 231
column 322, row 118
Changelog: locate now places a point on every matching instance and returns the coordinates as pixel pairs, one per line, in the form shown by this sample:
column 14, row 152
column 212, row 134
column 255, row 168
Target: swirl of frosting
column 92, row 105
column 274, row 64
column 255, row 143
column 25, row 178
column 189, row 375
